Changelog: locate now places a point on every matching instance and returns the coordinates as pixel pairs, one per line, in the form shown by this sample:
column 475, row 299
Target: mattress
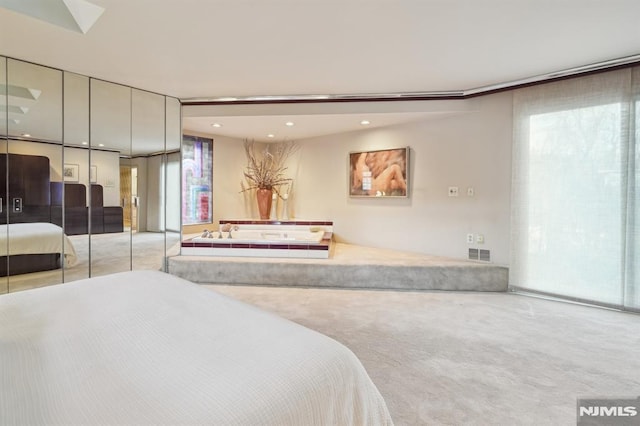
column 36, row 238
column 146, row 347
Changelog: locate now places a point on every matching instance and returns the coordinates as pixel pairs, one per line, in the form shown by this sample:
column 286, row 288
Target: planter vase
column 264, row 202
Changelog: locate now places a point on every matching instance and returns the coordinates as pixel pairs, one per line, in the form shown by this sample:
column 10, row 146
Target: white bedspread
column 145, row 347
column 36, row 238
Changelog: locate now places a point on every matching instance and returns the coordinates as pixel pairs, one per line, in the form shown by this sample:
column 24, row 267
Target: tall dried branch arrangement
column 266, row 169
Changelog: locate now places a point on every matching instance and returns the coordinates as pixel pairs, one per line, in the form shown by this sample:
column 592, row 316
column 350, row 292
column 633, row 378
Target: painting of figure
column 381, row 173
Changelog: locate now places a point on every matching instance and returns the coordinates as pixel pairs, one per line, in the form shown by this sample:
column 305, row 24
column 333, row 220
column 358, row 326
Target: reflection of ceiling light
column 26, row 135
column 14, row 109
column 271, row 135
column 289, row 123
column 85, row 143
column 216, row 125
column 15, row 121
column 20, row 92
column 365, row 122
column 225, row 99
column 100, row 144
column 74, row 15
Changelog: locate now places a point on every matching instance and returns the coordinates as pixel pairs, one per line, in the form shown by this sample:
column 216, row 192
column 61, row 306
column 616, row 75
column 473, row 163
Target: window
column 197, row 178
column 574, row 183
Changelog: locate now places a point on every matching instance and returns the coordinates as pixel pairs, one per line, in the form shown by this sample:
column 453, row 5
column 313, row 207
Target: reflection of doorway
column 129, row 196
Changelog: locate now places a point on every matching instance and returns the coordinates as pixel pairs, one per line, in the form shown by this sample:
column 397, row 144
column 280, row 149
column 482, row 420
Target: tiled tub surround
column 296, row 239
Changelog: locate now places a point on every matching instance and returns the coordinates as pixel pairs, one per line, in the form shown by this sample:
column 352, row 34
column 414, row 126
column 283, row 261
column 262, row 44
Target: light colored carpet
column 443, row 358
column 451, row 358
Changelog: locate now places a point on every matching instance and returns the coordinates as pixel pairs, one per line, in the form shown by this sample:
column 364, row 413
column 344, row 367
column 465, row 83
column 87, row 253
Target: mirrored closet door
column 172, row 206
column 31, row 167
column 147, row 180
column 112, row 213
column 74, row 193
column 4, row 240
column 92, row 164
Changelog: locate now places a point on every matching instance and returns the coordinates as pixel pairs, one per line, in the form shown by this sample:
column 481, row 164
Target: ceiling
column 211, row 49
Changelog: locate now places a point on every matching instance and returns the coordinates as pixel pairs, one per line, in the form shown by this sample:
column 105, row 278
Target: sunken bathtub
column 296, row 239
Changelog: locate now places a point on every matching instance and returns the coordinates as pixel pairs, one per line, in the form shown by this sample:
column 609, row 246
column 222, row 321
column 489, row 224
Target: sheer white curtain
column 632, row 287
column 574, row 195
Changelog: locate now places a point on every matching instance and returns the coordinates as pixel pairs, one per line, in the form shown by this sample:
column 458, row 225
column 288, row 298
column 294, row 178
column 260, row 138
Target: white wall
column 468, row 150
column 229, row 162
column 465, row 150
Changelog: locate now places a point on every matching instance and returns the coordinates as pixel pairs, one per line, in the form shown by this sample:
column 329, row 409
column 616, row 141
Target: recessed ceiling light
column 26, row 135
column 289, row 123
column 100, row 144
column 216, row 125
column 365, row 122
column 85, row 143
column 271, row 135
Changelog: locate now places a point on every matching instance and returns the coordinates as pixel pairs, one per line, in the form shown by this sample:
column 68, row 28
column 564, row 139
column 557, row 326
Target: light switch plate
column 17, row 205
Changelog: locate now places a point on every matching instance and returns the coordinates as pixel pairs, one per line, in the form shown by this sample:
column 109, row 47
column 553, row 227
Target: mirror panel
column 34, row 101
column 33, row 163
column 110, row 162
column 76, row 110
column 147, row 174
column 4, row 281
column 110, row 176
column 3, row 97
column 76, row 191
column 36, row 243
column 173, row 179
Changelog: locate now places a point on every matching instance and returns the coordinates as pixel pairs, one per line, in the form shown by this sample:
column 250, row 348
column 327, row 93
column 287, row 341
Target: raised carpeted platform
column 348, row 266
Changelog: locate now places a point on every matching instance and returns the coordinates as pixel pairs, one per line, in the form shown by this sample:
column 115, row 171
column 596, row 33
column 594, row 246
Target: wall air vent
column 485, row 255
column 479, row 254
column 474, row 254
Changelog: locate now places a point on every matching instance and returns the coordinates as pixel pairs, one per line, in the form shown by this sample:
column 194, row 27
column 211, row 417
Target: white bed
column 146, row 347
column 36, row 238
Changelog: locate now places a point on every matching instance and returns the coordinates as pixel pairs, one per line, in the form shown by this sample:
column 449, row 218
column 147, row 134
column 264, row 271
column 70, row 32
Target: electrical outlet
column 470, row 191
column 480, row 239
column 470, row 238
column 453, row 191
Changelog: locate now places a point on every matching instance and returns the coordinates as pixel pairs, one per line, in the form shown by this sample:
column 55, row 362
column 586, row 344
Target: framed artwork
column 93, row 174
column 71, row 172
column 381, row 173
